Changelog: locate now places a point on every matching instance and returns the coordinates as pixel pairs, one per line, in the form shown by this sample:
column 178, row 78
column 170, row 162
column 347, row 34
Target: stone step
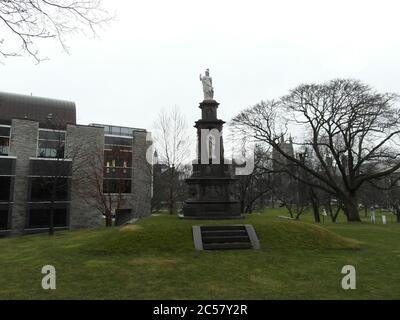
column 227, row 246
column 214, row 216
column 211, row 217
column 224, row 239
column 227, row 233
column 223, row 228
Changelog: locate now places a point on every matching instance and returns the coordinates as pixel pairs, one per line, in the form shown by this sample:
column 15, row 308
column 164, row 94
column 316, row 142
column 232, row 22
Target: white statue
column 207, row 86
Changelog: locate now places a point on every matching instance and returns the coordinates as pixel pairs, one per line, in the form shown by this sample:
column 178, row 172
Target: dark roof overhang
column 16, row 106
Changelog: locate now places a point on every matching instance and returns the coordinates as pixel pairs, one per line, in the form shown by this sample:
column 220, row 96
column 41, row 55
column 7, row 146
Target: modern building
column 47, row 161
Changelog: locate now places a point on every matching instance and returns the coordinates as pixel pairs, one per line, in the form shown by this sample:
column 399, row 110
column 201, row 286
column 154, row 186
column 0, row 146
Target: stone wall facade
column 23, row 146
column 85, row 145
column 142, row 174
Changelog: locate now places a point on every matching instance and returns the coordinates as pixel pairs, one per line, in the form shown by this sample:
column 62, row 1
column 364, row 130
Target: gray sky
column 151, row 57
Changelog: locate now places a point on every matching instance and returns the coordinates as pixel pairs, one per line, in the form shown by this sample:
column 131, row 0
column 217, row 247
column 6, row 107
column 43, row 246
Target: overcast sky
column 151, row 57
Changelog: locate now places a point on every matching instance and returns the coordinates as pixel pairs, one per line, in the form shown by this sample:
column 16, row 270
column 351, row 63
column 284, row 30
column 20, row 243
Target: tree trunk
column 51, row 218
column 242, row 206
column 317, row 218
column 351, row 209
column 336, row 215
column 172, row 191
column 289, row 209
column 171, row 201
column 249, row 208
column 333, row 215
column 51, row 223
column 108, row 219
column 315, row 207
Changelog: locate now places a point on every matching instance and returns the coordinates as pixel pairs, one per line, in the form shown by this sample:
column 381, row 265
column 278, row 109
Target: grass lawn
column 155, row 259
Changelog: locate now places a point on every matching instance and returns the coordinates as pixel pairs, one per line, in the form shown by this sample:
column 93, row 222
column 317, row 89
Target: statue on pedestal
column 212, row 184
column 207, row 86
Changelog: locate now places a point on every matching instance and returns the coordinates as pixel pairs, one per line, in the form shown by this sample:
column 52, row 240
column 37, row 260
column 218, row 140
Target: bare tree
column 395, row 202
column 392, row 192
column 25, row 23
column 161, row 183
column 104, row 197
column 254, row 186
column 289, row 192
column 386, row 192
column 343, row 121
column 172, row 143
column 103, row 202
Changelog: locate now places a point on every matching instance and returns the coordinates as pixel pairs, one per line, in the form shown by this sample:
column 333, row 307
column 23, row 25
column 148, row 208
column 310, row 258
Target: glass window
column 51, row 149
column 5, row 131
column 5, row 184
column 116, row 131
column 42, row 188
column 3, row 219
column 51, row 144
column 118, row 157
column 126, row 131
column 40, row 218
column 5, row 141
column 117, row 162
column 117, row 141
column 117, row 186
column 52, row 135
column 4, row 146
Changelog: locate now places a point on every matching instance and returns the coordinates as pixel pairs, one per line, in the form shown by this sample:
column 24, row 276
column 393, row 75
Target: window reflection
column 5, row 140
column 118, row 165
column 51, row 144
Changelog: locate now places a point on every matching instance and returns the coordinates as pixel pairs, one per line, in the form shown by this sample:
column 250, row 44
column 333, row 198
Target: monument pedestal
column 212, row 184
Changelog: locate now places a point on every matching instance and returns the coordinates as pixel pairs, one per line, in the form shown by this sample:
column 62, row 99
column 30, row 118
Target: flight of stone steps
column 225, row 237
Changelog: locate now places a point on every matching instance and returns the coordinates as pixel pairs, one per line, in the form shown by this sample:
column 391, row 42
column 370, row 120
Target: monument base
column 211, row 198
column 211, row 211
column 212, row 191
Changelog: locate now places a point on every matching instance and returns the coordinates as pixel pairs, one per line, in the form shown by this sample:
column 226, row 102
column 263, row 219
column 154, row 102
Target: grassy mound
column 168, row 234
column 296, row 234
column 155, row 259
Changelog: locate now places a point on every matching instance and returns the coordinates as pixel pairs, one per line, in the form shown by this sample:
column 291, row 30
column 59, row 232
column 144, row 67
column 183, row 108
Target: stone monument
column 212, row 184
